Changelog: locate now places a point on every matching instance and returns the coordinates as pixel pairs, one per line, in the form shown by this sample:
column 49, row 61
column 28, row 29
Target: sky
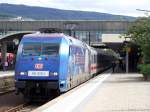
column 118, row 7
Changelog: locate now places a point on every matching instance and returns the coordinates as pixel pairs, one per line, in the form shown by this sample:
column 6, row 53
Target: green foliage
column 145, row 69
column 146, row 52
column 139, row 67
column 140, row 34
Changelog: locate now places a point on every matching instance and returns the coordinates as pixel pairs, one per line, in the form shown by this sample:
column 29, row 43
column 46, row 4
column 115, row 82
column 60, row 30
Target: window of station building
column 66, row 32
column 99, row 36
column 96, row 36
column 80, row 35
column 84, row 36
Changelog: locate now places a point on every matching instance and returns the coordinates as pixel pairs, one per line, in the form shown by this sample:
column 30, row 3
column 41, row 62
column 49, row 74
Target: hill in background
column 8, row 11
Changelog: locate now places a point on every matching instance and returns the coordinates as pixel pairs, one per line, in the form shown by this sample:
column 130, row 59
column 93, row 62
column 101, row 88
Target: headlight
column 23, row 73
column 53, row 74
column 62, row 82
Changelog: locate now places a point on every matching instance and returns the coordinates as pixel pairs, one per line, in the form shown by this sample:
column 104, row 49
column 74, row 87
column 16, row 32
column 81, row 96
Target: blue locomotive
column 54, row 62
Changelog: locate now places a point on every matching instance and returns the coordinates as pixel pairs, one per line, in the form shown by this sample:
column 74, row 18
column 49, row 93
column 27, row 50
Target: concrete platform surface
column 105, row 93
column 6, row 73
column 120, row 93
column 7, row 81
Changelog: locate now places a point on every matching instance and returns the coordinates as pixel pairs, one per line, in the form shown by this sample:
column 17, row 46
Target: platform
column 6, row 73
column 105, row 93
column 6, row 81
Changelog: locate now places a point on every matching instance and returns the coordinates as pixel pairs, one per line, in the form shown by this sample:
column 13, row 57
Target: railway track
column 7, row 92
column 26, row 107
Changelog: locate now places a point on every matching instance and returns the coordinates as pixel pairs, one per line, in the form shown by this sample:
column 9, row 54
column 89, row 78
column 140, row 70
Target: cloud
column 124, row 7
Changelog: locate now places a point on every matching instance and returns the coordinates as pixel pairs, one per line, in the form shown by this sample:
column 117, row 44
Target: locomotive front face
column 38, row 60
column 41, row 65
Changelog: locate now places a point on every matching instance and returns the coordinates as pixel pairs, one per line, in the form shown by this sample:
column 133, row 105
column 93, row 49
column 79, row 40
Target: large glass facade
column 90, row 37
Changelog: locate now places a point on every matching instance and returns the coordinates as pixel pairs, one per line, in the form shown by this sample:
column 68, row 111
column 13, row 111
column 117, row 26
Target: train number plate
column 38, row 73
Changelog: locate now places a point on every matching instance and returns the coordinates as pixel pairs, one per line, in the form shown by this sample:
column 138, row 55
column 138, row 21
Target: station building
column 94, row 33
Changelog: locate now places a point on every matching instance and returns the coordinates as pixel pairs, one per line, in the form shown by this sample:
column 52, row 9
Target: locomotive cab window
column 50, row 49
column 36, row 49
column 31, row 49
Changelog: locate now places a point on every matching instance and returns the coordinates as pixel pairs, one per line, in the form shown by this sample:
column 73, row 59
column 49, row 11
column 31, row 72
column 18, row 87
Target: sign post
column 127, row 61
column 128, row 49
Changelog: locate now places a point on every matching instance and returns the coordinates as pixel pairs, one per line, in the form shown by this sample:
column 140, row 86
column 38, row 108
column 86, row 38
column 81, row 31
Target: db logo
column 38, row 66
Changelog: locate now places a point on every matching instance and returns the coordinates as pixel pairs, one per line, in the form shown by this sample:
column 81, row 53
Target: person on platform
column 5, row 65
column 113, row 66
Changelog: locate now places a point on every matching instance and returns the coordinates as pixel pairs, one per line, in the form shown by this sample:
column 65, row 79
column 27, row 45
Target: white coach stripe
column 69, row 103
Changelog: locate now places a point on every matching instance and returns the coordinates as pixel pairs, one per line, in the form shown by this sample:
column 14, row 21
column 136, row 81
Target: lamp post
column 127, row 60
column 127, row 49
column 146, row 11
